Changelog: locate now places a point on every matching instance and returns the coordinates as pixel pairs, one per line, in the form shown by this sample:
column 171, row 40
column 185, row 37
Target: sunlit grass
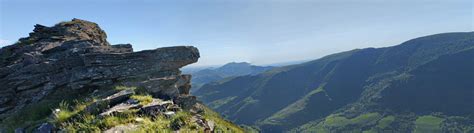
column 120, row 88
column 64, row 112
column 222, row 125
column 34, row 114
column 425, row 124
column 69, row 114
column 385, row 122
column 142, row 99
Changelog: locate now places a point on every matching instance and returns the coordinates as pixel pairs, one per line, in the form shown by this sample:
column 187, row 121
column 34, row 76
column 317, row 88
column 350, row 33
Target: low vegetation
column 38, row 113
column 182, row 121
column 385, row 122
column 143, row 99
column 222, row 125
column 70, row 115
column 425, row 124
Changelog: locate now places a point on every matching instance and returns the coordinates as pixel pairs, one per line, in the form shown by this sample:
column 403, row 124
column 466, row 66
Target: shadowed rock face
column 76, row 55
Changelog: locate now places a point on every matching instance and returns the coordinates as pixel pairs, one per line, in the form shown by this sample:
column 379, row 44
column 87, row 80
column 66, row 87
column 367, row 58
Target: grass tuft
column 143, row 99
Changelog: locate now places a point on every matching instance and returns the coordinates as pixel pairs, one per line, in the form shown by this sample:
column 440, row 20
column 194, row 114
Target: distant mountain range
column 422, row 85
column 229, row 70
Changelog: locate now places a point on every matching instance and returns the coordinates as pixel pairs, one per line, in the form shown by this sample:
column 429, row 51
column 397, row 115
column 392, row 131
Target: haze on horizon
column 260, row 32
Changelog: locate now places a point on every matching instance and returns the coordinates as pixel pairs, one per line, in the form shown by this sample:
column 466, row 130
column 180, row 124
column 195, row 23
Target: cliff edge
column 71, row 68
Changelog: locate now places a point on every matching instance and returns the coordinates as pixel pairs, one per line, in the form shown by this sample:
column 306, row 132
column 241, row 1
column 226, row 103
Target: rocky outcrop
column 76, row 55
column 122, row 104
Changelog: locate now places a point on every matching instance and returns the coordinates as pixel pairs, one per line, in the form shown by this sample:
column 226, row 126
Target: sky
column 261, row 32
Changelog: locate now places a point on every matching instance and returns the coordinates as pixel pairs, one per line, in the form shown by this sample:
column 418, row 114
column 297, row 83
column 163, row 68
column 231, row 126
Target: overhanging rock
column 76, row 55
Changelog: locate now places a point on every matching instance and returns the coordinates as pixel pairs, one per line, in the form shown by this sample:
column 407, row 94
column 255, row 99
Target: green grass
column 70, row 115
column 163, row 124
column 336, row 121
column 63, row 113
column 28, row 117
column 311, row 127
column 370, row 131
column 83, row 123
column 121, row 88
column 385, row 122
column 294, row 107
column 428, row 124
column 90, row 123
column 366, row 118
column 222, row 125
column 151, row 125
column 217, row 103
column 34, row 114
column 340, row 121
column 142, row 99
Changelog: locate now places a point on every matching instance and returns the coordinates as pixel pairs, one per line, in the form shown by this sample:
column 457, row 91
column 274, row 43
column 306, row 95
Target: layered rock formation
column 76, row 55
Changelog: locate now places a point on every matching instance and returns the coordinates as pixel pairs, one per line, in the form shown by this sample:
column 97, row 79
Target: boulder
column 118, row 97
column 155, row 108
column 186, row 102
column 168, row 87
column 110, row 101
column 169, row 114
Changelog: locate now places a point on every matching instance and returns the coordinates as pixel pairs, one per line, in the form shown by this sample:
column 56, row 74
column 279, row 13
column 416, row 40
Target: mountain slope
column 421, row 76
column 228, row 70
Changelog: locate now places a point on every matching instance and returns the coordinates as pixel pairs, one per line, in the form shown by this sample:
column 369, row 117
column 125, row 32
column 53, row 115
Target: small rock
column 209, row 125
column 139, row 119
column 131, row 101
column 45, row 128
column 176, row 124
column 153, row 111
column 169, row 114
column 174, row 108
column 120, row 108
column 95, row 92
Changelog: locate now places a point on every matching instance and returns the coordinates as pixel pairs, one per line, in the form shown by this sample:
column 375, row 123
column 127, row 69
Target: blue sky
column 256, row 31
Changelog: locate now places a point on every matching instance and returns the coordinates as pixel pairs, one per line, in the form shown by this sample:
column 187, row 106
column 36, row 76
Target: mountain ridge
column 226, row 71
column 286, row 98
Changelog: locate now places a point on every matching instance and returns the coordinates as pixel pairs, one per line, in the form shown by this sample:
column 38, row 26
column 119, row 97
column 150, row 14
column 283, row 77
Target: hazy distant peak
column 237, row 64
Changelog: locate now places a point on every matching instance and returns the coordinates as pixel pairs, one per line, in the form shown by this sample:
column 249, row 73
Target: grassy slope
column 38, row 113
column 71, row 118
column 360, row 78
